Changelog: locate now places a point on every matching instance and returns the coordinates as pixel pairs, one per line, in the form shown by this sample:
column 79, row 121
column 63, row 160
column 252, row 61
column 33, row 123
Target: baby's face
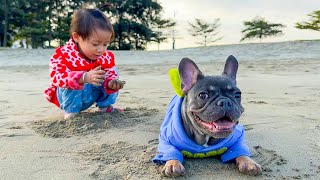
column 96, row 44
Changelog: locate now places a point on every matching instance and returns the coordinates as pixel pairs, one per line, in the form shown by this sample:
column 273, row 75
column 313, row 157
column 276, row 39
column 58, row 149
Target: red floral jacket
column 67, row 66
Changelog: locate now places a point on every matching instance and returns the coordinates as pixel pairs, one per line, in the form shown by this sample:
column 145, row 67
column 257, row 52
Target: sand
column 281, row 118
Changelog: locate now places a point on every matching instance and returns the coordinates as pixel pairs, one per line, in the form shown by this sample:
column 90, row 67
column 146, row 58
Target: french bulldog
column 205, row 122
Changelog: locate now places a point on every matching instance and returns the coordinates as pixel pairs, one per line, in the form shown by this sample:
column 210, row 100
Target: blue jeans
column 74, row 101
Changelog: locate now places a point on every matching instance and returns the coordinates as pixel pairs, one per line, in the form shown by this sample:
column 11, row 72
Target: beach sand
column 281, row 118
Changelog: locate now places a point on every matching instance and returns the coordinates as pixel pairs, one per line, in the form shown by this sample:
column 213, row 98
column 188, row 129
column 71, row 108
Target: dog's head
column 212, row 104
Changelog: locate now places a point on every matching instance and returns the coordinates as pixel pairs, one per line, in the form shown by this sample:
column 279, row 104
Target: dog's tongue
column 223, row 124
column 219, row 124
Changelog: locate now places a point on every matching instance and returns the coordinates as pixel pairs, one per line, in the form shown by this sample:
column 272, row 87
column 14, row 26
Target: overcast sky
column 232, row 13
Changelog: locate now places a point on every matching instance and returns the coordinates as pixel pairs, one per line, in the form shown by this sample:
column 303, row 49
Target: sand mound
column 88, row 122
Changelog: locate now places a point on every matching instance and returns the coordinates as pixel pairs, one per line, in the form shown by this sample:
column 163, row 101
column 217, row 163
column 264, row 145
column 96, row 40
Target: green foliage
column 134, row 23
column 32, row 19
column 9, row 11
column 41, row 21
column 313, row 24
column 35, row 23
column 161, row 32
column 260, row 28
column 206, row 31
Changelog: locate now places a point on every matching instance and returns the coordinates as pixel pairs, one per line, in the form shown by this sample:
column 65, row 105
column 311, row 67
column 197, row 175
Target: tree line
column 258, row 27
column 136, row 23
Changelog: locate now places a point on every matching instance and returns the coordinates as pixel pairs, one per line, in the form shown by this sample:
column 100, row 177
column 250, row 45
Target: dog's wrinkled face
column 213, row 103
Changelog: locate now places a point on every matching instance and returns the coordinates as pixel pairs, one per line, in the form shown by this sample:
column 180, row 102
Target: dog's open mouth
column 222, row 124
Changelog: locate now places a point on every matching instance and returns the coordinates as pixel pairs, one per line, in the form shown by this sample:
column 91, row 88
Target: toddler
column 83, row 71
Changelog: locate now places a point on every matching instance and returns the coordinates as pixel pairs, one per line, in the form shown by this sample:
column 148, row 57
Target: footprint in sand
column 248, row 127
column 16, row 127
column 267, row 158
column 258, row 102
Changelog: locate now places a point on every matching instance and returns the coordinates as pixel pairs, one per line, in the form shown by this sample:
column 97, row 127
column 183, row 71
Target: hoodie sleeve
column 239, row 148
column 108, row 65
column 111, row 73
column 61, row 75
column 166, row 152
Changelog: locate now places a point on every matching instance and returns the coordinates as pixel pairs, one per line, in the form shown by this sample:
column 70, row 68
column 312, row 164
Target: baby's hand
column 116, row 84
column 95, row 76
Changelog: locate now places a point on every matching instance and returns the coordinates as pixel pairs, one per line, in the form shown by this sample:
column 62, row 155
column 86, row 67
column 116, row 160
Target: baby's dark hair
column 84, row 21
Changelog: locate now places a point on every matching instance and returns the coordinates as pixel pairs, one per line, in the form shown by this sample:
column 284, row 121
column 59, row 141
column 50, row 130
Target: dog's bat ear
column 231, row 67
column 189, row 74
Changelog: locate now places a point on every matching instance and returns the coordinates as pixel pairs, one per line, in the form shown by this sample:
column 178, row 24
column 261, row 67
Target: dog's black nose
column 226, row 103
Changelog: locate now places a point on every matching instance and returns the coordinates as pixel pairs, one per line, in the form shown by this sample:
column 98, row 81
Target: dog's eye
column 203, row 95
column 237, row 95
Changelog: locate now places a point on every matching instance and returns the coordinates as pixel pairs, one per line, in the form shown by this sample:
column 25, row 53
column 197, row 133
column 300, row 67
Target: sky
column 232, row 13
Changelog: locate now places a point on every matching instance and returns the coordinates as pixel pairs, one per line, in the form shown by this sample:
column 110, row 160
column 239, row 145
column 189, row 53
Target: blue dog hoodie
column 174, row 143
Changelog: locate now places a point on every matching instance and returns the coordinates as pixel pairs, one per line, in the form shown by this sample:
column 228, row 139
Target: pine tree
column 313, row 23
column 260, row 28
column 206, row 31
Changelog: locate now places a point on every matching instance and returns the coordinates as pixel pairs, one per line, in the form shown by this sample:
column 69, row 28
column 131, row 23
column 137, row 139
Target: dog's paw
column 173, row 168
column 248, row 166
